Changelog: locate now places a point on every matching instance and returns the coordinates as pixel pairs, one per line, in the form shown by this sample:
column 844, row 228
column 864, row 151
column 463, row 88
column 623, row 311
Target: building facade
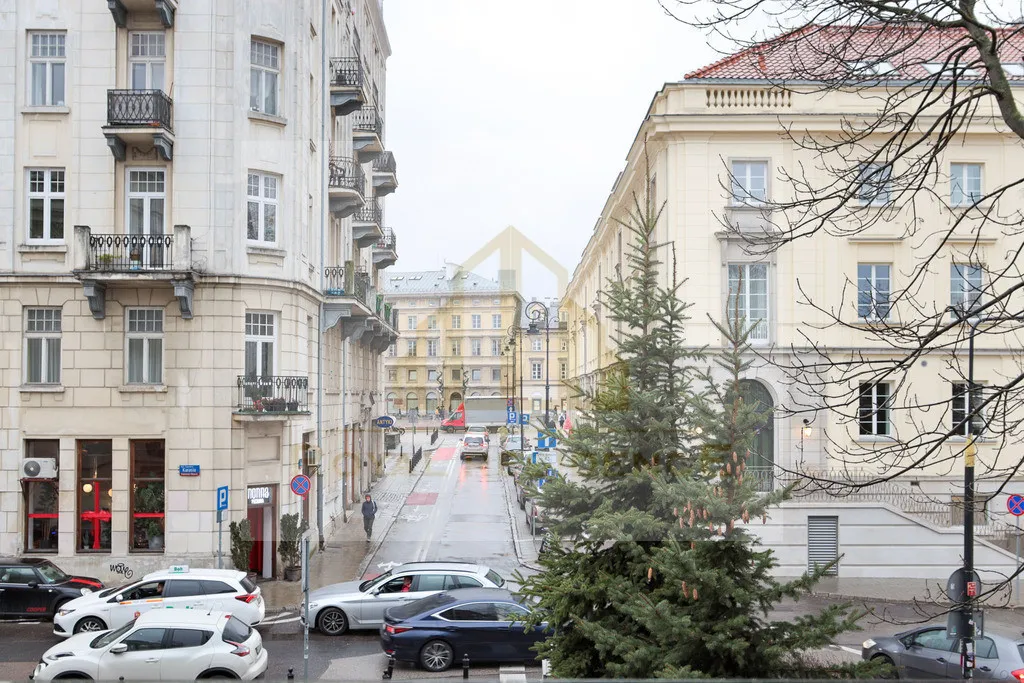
column 717, row 153
column 190, row 259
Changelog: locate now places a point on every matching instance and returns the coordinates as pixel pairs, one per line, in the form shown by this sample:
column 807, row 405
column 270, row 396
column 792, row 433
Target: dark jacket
column 369, row 508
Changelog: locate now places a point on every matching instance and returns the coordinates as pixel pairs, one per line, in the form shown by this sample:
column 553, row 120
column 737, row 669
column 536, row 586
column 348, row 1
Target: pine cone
column 734, row 456
column 684, row 587
column 650, row 573
column 728, row 468
column 694, row 593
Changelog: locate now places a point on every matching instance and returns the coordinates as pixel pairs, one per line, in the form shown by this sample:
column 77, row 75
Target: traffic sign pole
column 1015, row 504
column 222, row 506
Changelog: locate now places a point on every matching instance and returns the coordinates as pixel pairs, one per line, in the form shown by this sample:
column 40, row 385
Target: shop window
column 147, row 487
column 41, row 503
column 95, row 464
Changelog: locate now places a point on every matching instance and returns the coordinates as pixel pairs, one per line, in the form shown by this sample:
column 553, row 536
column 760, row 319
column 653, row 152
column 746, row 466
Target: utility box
column 391, row 441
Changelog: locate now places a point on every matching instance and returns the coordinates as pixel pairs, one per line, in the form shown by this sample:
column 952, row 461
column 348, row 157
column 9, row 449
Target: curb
column 516, row 543
column 903, row 601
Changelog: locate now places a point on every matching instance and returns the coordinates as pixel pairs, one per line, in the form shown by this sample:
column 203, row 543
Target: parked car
column 34, row 586
column 479, row 430
column 535, row 518
column 511, row 450
column 224, row 590
column 929, row 652
column 162, row 645
column 485, row 623
column 474, row 446
column 335, row 609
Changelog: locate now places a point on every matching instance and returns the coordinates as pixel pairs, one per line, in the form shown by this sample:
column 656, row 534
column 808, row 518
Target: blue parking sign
column 513, row 418
column 524, row 418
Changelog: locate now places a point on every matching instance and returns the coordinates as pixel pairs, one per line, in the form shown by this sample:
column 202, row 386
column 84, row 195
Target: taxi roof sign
column 178, row 569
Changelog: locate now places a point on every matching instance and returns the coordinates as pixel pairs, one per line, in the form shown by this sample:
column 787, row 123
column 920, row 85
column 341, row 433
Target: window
column 216, row 587
column 144, row 345
column 46, row 204
column 455, row 375
column 872, row 291
column 431, row 375
column 183, row 588
column 563, row 346
column 147, row 486
column 410, row 347
column 537, row 344
column 236, row 631
column 259, row 345
column 964, row 287
column 476, row 374
column 42, row 345
column 873, row 413
column 467, row 582
column 495, row 374
column 412, row 375
column 262, row 207
column 392, row 375
column 474, row 347
column 264, row 77
column 960, row 410
column 18, row 575
column 874, row 185
column 145, row 214
column 747, row 303
column 392, row 350
column 476, row 322
column 145, row 639
column 456, row 322
column 495, row 347
column 964, row 184
column 480, row 611
column 432, row 347
column 146, row 60
column 496, row 321
column 563, row 370
column 94, row 493
column 189, row 637
column 536, row 370
column 749, row 182
column 507, row 611
column 411, row 322
column 431, row 322
column 456, row 347
column 41, row 508
column 46, row 69
column 412, row 402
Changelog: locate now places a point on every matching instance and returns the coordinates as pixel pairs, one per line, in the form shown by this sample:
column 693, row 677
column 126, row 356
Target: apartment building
column 191, row 254
column 717, row 153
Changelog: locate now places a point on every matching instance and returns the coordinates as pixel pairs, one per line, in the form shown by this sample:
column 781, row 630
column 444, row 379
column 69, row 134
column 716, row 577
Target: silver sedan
column 929, row 652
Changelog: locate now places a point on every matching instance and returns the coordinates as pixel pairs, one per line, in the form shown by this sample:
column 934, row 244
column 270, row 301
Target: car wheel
column 72, row 676
column 887, row 660
column 332, row 622
column 437, row 655
column 216, row 676
column 90, row 624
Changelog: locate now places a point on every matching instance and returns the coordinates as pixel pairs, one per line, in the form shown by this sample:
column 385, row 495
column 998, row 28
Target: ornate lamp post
column 535, row 310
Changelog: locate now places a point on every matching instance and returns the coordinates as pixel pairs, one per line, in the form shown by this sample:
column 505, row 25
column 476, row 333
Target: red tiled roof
column 824, row 52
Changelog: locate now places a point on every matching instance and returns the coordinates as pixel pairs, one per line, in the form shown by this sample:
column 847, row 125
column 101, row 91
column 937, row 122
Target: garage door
column 822, row 543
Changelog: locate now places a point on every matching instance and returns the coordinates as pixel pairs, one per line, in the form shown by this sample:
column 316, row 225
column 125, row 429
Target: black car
column 485, row 623
column 34, row 586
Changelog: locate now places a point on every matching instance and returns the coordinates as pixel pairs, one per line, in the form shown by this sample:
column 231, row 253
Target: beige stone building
column 717, row 153
column 191, row 248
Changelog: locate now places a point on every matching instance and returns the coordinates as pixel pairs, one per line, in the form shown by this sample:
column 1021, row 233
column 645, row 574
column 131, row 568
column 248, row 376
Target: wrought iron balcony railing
column 347, row 72
column 387, row 241
column 345, row 173
column 335, row 282
column 385, row 163
column 139, row 108
column 367, row 120
column 130, row 253
column 272, row 394
column 370, row 213
column 361, row 286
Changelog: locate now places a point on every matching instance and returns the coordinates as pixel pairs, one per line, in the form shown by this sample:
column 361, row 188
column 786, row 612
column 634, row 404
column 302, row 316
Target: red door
column 256, row 529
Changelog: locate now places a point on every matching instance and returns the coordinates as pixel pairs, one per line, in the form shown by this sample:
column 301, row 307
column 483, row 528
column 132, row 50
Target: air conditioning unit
column 39, row 468
column 312, row 456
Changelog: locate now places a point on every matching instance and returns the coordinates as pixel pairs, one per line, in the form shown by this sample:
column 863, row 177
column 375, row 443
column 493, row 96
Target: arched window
column 455, row 400
column 496, row 393
column 762, row 450
column 412, row 402
column 431, row 403
column 475, row 393
column 391, row 402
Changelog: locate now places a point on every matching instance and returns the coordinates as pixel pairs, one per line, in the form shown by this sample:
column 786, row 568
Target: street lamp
column 534, row 311
column 515, row 330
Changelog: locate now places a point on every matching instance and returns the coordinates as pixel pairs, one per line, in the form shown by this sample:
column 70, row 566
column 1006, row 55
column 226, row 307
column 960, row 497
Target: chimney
column 450, row 270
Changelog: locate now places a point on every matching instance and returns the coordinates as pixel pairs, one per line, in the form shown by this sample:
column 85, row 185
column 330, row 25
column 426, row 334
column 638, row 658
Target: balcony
column 345, row 185
column 366, row 228
column 385, row 254
column 272, row 396
column 347, row 79
column 385, row 174
column 140, row 118
column 106, row 259
column 367, row 130
column 120, row 9
column 346, row 294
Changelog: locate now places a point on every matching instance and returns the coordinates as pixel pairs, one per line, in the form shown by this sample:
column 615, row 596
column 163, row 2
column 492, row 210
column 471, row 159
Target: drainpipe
column 323, row 245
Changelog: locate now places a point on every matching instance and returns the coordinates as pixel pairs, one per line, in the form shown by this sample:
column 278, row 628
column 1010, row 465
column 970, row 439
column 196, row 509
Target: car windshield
column 52, row 573
column 369, row 582
column 427, row 604
column 110, row 591
column 109, row 637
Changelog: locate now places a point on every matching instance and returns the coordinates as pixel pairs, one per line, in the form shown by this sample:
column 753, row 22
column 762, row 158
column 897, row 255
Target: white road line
column 275, row 622
column 424, row 548
column 844, row 648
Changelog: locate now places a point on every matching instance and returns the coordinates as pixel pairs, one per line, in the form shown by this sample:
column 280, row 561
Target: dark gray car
column 929, row 652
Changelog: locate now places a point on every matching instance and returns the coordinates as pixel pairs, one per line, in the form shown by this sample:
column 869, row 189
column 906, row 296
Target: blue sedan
column 487, row 624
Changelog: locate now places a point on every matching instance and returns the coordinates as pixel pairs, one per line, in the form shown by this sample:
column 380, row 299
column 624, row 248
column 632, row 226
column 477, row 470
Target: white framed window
column 495, row 374
column 564, row 346
column 873, row 409
column 476, row 322
column 47, row 68
column 496, row 321
column 392, row 350
column 147, row 60
column 412, row 375
column 431, row 375
column 264, row 77
column 411, row 321
column 748, row 299
column 262, row 208
column 536, row 370
column 46, row 204
column 456, row 322
column 392, row 375
column 960, row 410
column 456, row 347
column 964, row 184
column 432, row 347
column 537, row 344
column 146, row 206
column 495, row 347
column 563, row 370
column 874, row 185
column 410, row 347
column 873, row 289
column 476, row 375
column 144, row 345
column 964, row 287
column 475, row 347
column 42, row 345
column 431, row 322
column 749, row 182
column 260, row 344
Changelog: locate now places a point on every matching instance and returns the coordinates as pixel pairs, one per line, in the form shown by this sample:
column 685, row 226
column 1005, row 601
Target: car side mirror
column 119, row 597
column 119, row 649
column 33, row 584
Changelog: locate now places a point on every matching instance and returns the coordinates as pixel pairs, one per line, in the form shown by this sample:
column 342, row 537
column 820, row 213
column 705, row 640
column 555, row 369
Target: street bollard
column 391, row 668
column 291, row 674
column 465, row 666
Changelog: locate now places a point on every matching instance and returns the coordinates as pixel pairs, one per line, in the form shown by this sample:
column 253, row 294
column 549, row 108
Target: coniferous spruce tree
column 653, row 573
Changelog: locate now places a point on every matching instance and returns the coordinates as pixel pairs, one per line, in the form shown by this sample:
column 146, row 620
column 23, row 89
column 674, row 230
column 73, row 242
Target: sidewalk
column 346, row 551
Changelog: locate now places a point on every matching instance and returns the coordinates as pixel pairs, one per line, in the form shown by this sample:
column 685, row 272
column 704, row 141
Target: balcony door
column 146, row 60
column 146, row 202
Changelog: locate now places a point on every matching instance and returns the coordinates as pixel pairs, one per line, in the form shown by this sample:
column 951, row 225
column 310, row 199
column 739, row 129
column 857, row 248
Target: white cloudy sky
column 518, row 113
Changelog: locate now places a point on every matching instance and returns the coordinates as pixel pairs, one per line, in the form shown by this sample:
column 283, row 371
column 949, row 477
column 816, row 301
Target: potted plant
column 289, row 548
column 149, row 498
column 135, row 256
column 274, row 405
column 106, row 261
column 293, row 406
column 241, row 544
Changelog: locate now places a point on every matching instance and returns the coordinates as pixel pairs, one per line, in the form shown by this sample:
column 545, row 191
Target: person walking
column 369, row 513
column 561, row 421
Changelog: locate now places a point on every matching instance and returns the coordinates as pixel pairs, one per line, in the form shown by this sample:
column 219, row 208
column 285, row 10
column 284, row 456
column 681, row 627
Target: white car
column 179, row 587
column 162, row 645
